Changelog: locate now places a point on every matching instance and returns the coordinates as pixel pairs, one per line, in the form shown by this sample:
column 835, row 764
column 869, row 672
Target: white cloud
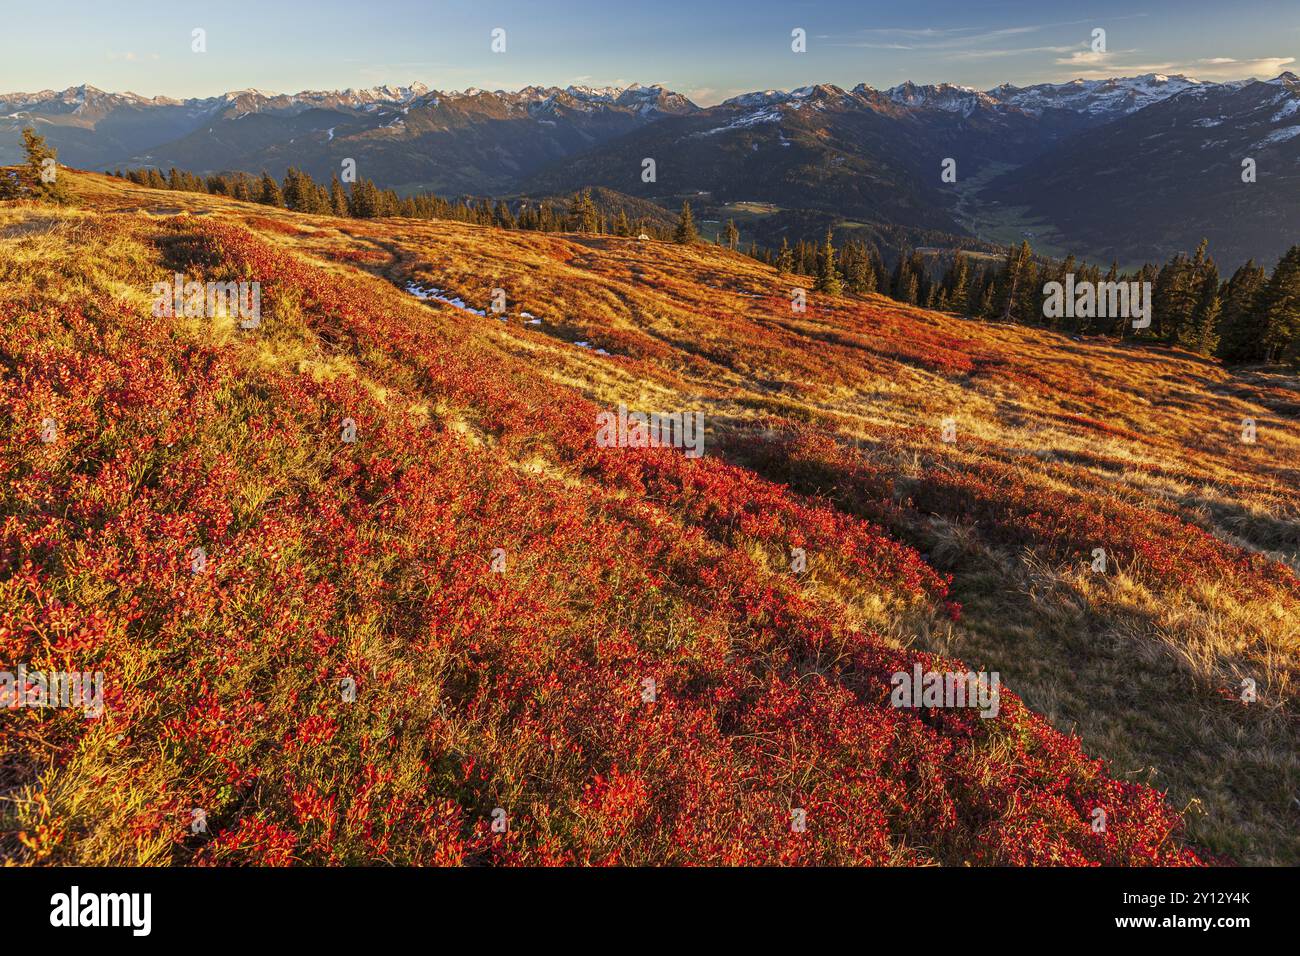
column 1087, row 65
column 1222, row 67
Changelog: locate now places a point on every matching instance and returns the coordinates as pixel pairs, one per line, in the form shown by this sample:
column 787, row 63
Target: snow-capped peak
column 945, row 96
column 1119, row 94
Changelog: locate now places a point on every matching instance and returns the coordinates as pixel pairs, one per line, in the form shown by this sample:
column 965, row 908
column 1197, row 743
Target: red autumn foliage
column 477, row 690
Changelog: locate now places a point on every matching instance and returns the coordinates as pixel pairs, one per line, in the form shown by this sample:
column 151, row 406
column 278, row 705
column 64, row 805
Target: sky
column 706, row 49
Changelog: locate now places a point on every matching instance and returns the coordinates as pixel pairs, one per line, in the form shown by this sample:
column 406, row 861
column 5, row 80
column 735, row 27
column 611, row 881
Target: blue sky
column 708, row 49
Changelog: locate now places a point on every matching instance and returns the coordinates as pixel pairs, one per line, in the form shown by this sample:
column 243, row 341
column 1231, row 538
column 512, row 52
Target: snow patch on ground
column 432, row 293
column 1290, row 109
column 757, row 118
column 1279, row 136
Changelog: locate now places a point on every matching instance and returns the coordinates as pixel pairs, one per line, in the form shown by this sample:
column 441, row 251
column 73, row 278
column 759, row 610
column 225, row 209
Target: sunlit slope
column 637, row 675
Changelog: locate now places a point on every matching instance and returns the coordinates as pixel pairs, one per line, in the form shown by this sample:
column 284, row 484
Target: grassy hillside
column 607, row 649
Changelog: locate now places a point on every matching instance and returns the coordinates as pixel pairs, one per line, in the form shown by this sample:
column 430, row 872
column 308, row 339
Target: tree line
column 1251, row 316
column 299, row 192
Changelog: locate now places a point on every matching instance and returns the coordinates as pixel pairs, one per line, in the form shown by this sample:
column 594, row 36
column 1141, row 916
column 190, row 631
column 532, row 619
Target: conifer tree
column 1183, row 299
column 828, row 278
column 1282, row 311
column 859, row 274
column 583, row 216
column 956, row 281
column 1013, row 274
column 1029, row 301
column 293, row 191
column 505, row 218
column 1098, row 323
column 1202, row 333
column 902, row 285
column 987, row 301
column 1242, row 319
column 364, row 203
column 38, row 177
column 1174, row 297
column 785, row 258
column 685, row 233
column 269, row 192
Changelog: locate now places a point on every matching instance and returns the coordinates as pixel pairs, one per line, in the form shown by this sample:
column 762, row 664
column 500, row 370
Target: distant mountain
column 1101, row 98
column 402, row 137
column 863, row 153
column 1159, row 179
column 1134, row 168
column 1131, row 168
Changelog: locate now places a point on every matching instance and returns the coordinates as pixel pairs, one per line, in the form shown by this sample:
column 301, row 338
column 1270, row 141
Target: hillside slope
column 1175, row 167
column 606, row 652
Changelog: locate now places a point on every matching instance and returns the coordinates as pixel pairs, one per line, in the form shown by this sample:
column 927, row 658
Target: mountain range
column 1128, row 168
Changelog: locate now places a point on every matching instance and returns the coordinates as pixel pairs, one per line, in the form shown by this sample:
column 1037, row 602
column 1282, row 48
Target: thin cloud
column 1017, row 51
column 704, row 95
column 956, row 38
column 928, row 39
column 1104, row 66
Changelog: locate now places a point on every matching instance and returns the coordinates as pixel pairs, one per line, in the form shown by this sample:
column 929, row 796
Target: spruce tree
column 785, row 258
column 1105, row 325
column 1185, row 297
column 1282, row 311
column 39, row 175
column 901, row 280
column 269, row 192
column 293, row 191
column 365, row 201
column 1029, row 302
column 583, row 216
column 1202, row 333
column 338, row 198
column 1242, row 317
column 828, row 277
column 956, row 281
column 988, row 303
column 1014, row 270
column 685, row 233
column 859, row 276
column 1177, row 293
